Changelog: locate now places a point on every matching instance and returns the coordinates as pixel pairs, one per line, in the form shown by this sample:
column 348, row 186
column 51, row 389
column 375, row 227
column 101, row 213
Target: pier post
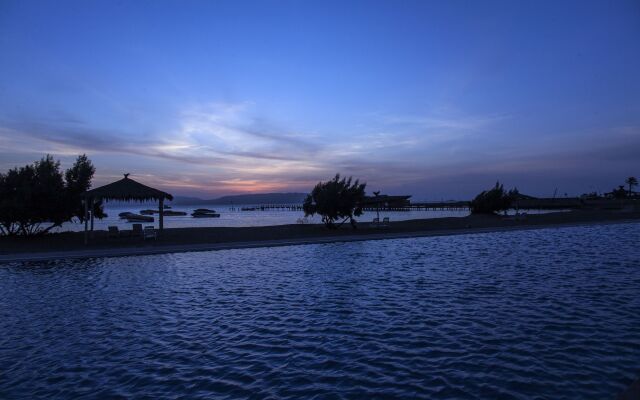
column 161, row 216
column 86, row 220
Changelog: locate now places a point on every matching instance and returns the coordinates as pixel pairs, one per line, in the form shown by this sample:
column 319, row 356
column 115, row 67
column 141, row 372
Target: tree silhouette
column 336, row 199
column 493, row 200
column 631, row 181
column 36, row 198
column 78, row 180
column 619, row 193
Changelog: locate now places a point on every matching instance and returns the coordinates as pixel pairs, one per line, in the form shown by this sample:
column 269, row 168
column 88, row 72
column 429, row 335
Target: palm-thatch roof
column 127, row 189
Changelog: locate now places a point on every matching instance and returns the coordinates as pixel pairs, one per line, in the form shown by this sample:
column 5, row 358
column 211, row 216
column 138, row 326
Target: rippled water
column 234, row 217
column 546, row 314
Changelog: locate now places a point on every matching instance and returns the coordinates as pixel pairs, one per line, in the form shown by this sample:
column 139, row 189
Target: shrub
column 493, row 200
column 336, row 199
column 36, row 198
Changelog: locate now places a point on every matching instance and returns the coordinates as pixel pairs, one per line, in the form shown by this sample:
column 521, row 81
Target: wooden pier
column 440, row 206
column 273, row 207
column 565, row 203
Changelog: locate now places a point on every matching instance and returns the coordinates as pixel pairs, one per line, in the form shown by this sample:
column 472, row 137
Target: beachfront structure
column 125, row 189
column 386, row 202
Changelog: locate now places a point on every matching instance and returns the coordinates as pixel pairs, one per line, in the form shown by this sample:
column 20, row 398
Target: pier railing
column 564, row 203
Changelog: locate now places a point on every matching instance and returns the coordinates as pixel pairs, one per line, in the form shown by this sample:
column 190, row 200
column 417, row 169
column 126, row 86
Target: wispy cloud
column 230, row 147
column 460, row 122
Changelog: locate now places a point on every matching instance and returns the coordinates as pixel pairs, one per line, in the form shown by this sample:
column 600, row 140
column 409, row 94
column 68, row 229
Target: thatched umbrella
column 126, row 190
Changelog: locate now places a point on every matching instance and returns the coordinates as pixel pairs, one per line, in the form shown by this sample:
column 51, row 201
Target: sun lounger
column 149, row 232
column 114, row 232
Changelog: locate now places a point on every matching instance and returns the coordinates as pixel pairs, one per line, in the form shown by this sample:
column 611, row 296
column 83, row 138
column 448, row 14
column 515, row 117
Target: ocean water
column 544, row 314
column 231, row 216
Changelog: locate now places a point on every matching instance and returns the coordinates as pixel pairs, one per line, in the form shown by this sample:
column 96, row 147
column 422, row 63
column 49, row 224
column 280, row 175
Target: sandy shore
column 71, row 244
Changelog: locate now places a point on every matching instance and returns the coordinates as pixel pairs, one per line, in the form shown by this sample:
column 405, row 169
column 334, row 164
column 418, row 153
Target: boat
column 124, row 214
column 167, row 213
column 205, row 213
column 170, row 213
column 138, row 218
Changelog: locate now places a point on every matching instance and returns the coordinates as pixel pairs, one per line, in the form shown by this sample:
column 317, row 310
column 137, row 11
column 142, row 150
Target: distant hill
column 258, row 198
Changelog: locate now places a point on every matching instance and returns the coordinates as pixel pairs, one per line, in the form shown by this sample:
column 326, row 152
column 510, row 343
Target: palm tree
column 631, row 181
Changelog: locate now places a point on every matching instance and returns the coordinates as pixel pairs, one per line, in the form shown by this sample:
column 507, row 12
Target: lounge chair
column 136, row 230
column 149, row 232
column 114, row 232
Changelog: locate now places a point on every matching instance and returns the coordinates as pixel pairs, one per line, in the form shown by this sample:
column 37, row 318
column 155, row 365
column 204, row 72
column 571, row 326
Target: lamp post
column 377, row 204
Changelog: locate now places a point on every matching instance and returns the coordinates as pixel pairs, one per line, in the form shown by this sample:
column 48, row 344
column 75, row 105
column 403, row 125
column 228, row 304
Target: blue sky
column 434, row 99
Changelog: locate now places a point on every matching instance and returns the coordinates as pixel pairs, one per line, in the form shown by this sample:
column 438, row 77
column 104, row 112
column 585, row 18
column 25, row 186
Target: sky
column 433, row 99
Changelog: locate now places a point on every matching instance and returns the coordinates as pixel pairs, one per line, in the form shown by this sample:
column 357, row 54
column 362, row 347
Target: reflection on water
column 533, row 314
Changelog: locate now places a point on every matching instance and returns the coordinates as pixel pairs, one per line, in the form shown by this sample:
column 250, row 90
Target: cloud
column 235, row 130
column 222, row 148
column 213, row 135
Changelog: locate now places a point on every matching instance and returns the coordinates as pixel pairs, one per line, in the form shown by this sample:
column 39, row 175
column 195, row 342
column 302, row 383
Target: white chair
column 149, row 232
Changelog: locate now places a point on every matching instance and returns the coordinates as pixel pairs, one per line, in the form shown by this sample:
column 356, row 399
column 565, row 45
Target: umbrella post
column 92, row 210
column 161, row 215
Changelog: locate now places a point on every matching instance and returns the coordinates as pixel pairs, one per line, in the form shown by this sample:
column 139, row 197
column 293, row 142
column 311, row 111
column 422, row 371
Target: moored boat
column 169, row 213
column 138, row 218
column 204, row 213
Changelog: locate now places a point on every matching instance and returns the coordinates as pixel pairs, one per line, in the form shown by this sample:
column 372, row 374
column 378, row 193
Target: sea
column 234, row 216
column 538, row 314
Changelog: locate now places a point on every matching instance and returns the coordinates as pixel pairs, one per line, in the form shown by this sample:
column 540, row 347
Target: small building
column 385, row 201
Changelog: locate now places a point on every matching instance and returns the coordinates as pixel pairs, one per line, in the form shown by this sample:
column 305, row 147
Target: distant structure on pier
column 386, row 202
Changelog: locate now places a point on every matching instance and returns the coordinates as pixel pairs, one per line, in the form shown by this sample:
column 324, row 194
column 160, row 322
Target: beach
column 71, row 244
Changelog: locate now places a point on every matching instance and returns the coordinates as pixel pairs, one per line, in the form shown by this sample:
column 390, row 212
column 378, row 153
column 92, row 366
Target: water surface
column 546, row 314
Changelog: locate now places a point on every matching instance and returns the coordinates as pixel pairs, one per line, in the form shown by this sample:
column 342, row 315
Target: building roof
column 383, row 198
column 127, row 189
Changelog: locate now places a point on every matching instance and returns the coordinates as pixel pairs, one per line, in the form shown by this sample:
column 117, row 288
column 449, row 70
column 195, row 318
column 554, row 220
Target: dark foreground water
column 547, row 314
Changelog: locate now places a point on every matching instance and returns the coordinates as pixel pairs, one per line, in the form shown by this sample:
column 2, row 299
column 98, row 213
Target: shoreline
column 180, row 240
